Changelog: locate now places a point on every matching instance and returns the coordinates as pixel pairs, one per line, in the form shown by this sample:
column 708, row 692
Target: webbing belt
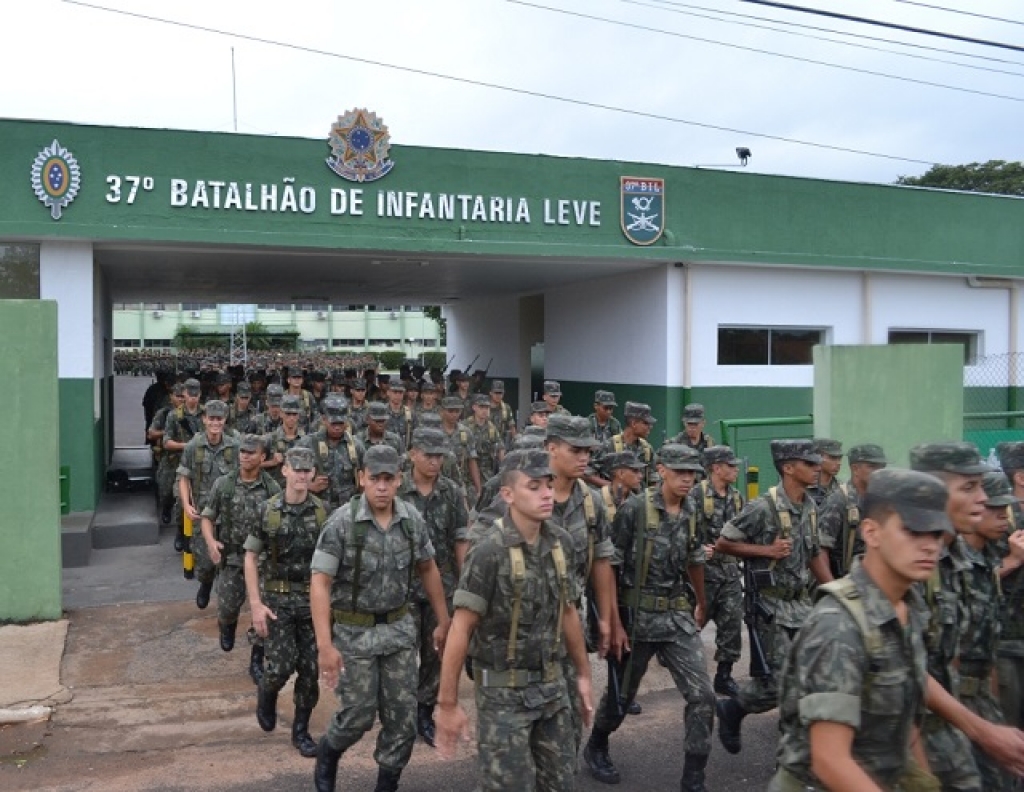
column 361, row 619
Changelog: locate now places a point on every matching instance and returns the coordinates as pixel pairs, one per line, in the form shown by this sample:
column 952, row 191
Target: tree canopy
column 994, row 176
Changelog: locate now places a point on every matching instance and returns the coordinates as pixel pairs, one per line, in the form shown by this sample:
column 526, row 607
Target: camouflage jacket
column 713, row 512
column 504, row 420
column 389, row 438
column 666, row 550
column 461, row 450
column 821, row 494
column 588, row 528
column 181, row 425
column 703, row 443
column 945, row 598
column 159, row 424
column 760, row 523
column 616, row 443
column 401, row 423
column 277, row 443
column 244, row 421
column 357, row 417
column 286, row 549
column 874, row 686
column 234, row 509
column 265, row 423
column 1011, row 611
column 981, row 630
column 203, row 464
column 486, row 446
column 340, row 462
column 606, row 432
column 839, row 521
column 446, row 515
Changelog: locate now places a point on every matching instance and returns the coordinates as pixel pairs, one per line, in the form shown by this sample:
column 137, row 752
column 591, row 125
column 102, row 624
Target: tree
column 995, row 176
column 391, row 359
column 434, row 312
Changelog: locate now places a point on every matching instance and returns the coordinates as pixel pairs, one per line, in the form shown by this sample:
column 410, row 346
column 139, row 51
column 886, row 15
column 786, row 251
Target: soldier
column 295, row 380
column 513, row 609
column 242, row 415
column 552, row 394
column 486, row 442
column 460, row 390
column 284, row 536
column 1010, row 654
column 362, row 576
column 182, row 424
column 429, row 396
column 716, row 501
column 377, row 432
column 831, row 453
column 639, row 422
column 693, row 434
column 358, row 407
column 655, row 535
column 459, row 441
column 222, row 386
column 501, row 413
column 287, row 435
column 540, row 411
column 778, row 535
column 166, row 462
column 231, row 513
column 338, row 455
column 626, row 471
column 317, row 387
column 603, row 422
column 840, row 515
column 271, row 418
column 157, row 395
column 208, row 456
column 399, row 414
column 442, row 503
column 412, row 395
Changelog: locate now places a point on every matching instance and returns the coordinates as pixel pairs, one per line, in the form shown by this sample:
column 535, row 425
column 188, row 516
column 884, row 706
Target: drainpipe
column 865, row 308
column 1013, row 293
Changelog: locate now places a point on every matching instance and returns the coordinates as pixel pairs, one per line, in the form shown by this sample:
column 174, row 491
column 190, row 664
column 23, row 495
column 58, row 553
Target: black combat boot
column 634, row 708
column 724, row 683
column 595, row 754
column 266, row 709
column 730, row 721
column 387, row 780
column 256, row 663
column 693, row 773
column 300, row 732
column 179, row 540
column 425, row 723
column 227, row 636
column 203, row 595
column 325, row 774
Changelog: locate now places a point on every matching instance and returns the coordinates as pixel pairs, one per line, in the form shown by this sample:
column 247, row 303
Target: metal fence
column 994, row 400
column 751, row 438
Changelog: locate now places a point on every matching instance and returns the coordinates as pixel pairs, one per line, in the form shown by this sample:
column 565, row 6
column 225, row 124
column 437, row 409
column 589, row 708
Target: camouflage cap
column 335, row 409
column 192, row 386
column 300, row 458
column 223, row 378
column 358, row 384
column 178, row 389
column 529, row 440
column 552, row 388
column 997, row 487
column 294, row 371
column 396, row 385
column 377, row 411
column 215, row 408
column 380, row 459
column 1011, row 456
column 639, row 411
column 497, row 386
column 451, row 403
column 274, row 394
column 428, row 387
column 950, row 457
column 623, row 459
column 319, row 375
column 429, row 440
column 786, row 450
column 573, row 430
column 676, row 456
column 243, row 388
column 693, row 413
column 291, row 404
column 605, row 398
column 919, row 498
column 832, row 448
column 430, row 419
column 534, row 431
column 461, row 376
column 540, row 407
column 868, row 453
column 535, row 463
column 723, row 454
column 251, row 443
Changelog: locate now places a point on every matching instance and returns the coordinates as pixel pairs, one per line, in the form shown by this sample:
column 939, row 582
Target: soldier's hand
column 780, row 548
column 586, row 699
column 1016, row 540
column 214, row 550
column 451, row 726
column 440, row 636
column 1005, row 744
column 193, row 515
column 319, row 484
column 709, row 550
column 700, row 616
column 619, row 640
column 260, row 614
column 604, row 638
column 331, row 665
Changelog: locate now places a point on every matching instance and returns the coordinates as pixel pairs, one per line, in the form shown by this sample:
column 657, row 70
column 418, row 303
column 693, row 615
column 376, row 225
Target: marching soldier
column 1010, row 654
column 693, row 435
column 338, row 455
column 182, row 424
column 486, row 442
column 639, row 423
column 242, row 415
column 626, row 471
column 603, row 422
column 501, row 414
column 841, row 514
column 286, row 436
column 552, row 394
column 399, row 414
column 376, row 430
column 359, row 406
column 271, row 418
column 831, row 453
column 166, row 462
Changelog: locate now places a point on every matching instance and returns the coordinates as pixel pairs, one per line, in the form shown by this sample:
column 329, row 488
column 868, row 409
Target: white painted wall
column 66, row 275
column 488, row 328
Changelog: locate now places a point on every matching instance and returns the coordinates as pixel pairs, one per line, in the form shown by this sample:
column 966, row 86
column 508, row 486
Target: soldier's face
column 481, row 412
column 290, row 420
column 336, row 430
column 191, row 401
column 603, row 411
column 297, row 480
column 629, row 478
column 395, row 398
column 553, row 398
column 727, row 473
column 243, row 401
column 214, row 425
column 295, row 382
column 906, row 554
column 860, row 472
column 641, row 428
column 380, row 488
column 532, row 498
column 496, row 397
column 427, row 465
column 410, row 397
column 249, row 460
column 378, row 425
column 451, row 417
column 693, row 430
column 358, row 394
column 802, row 471
column 176, row 400
column 678, row 482
column 539, row 419
column 429, row 399
column 966, row 505
column 567, row 460
column 831, row 464
column 995, row 522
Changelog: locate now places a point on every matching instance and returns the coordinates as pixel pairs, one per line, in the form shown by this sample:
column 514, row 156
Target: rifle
column 448, row 364
column 754, row 612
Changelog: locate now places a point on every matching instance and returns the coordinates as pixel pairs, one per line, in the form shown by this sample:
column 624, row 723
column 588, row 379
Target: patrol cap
column 429, row 418
column 623, row 459
column 552, row 388
column 319, row 376
column 533, row 462
column 381, row 458
column 428, row 387
column 481, row 400
column 429, row 440
column 639, row 411
column 243, row 388
column 540, row 407
column 1011, row 456
column 832, row 448
column 293, row 371
column 291, row 404
column 300, row 458
column 358, row 384
column 605, row 398
column 252, row 443
column 192, row 386
column 377, row 411
column 215, row 408
column 950, row 457
column 224, row 378
column 335, row 410
column 178, row 389
column 396, row 385
column 573, row 430
column 693, row 413
column 786, row 450
column 451, row 403
column 919, row 498
column 534, row 431
column 529, row 439
column 497, row 386
column 676, row 456
column 998, row 489
column 461, row 376
column 274, row 394
column 714, row 455
column 868, row 453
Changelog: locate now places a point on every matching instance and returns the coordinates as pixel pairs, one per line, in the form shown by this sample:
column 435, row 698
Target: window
column 429, row 342
column 157, row 343
column 767, row 346
column 126, row 342
column 967, row 339
column 19, row 272
column 199, row 306
column 348, row 342
column 152, row 306
column 274, row 307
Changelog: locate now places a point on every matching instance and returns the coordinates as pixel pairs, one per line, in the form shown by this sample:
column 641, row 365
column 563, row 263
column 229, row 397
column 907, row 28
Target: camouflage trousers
column 984, row 704
column 761, row 694
column 205, row 569
column 684, row 659
column 430, row 662
column 165, row 490
column 377, row 683
column 290, row 647
column 524, row 739
column 1011, row 689
column 724, row 593
column 231, row 596
column 950, row 757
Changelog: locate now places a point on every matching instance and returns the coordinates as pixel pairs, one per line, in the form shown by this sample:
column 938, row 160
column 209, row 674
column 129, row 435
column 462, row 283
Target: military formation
column 391, row 536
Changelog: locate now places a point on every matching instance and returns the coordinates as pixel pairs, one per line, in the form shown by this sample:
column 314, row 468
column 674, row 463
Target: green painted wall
column 897, row 396
column 30, row 564
column 81, row 442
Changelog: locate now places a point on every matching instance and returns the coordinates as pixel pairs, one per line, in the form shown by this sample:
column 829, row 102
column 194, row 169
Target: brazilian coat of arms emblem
column 643, row 209
column 359, row 144
column 56, row 178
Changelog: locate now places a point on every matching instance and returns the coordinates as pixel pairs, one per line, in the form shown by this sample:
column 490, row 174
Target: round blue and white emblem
column 56, row 178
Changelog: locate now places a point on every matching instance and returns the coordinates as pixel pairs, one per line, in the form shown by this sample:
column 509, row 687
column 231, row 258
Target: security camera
column 743, row 153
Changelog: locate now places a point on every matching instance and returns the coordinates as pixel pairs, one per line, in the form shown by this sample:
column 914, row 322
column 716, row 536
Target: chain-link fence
column 994, row 400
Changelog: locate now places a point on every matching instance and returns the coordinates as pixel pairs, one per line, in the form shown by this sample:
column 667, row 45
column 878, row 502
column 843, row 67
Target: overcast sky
column 66, row 61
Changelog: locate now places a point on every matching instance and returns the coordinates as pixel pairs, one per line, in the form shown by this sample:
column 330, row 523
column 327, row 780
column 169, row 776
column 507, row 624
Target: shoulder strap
column 845, row 591
column 609, row 501
column 322, row 444
column 273, row 527
column 651, row 522
column 359, row 542
column 709, row 499
column 517, row 568
column 617, row 443
column 590, row 514
column 352, row 455
column 563, row 592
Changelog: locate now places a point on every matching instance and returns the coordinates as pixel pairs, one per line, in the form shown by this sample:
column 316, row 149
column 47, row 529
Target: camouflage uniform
column 606, row 431
column 389, row 438
column 265, row 423
column 832, row 676
column 277, row 443
column 643, row 450
column 401, row 423
column 242, row 421
column 1010, row 654
column 460, row 445
column 285, row 536
column 167, row 464
column 486, row 444
column 839, row 520
column 820, row 494
column 340, row 462
column 373, row 629
column 357, row 417
column 524, row 728
column 504, row 421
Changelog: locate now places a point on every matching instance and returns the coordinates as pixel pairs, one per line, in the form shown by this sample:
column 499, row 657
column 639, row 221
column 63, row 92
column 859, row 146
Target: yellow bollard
column 753, row 475
column 188, row 561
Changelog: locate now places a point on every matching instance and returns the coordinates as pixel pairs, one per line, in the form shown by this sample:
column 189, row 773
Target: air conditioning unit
column 321, row 314
column 158, row 314
column 195, row 314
